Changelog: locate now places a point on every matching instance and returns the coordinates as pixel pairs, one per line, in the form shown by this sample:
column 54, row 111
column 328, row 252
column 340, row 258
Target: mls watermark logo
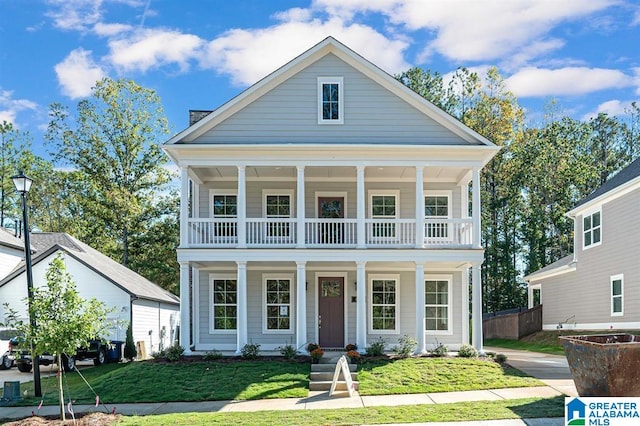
column 611, row 411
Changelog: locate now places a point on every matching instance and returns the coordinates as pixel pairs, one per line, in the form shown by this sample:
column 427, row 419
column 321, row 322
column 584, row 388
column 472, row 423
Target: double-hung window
column 224, row 303
column 384, row 211
column 617, row 295
column 437, row 206
column 384, row 304
column 330, row 100
column 438, row 304
column 277, row 206
column 224, row 207
column 278, row 305
column 592, row 229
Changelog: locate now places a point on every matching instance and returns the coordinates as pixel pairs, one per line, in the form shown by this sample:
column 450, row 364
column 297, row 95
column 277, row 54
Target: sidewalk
column 549, row 368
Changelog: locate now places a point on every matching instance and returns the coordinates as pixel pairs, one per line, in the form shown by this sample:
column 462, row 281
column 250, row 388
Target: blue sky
column 198, row 54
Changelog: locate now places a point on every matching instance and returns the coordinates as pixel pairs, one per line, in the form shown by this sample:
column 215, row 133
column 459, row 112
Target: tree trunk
column 60, row 391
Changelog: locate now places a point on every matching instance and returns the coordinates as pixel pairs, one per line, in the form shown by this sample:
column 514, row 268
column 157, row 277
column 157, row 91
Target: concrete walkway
column 552, row 370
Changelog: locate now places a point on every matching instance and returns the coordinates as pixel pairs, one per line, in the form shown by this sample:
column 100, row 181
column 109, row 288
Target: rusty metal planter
column 604, row 364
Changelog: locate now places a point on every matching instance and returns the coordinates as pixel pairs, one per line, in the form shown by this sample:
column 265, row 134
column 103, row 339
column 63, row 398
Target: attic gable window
column 591, row 229
column 330, row 100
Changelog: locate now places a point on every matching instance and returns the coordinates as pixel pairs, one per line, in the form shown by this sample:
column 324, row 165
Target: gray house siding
column 289, row 113
column 586, row 292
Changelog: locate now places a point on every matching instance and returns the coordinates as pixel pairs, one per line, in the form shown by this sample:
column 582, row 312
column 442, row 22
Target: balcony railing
column 328, row 233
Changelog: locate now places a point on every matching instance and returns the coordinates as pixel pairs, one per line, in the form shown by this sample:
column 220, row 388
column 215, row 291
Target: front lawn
column 425, row 375
column 523, row 345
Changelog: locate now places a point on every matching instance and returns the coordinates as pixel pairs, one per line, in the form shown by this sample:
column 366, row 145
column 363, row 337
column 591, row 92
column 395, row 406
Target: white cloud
column 248, row 55
column 565, row 81
column 613, row 107
column 79, row 15
column 148, row 48
column 78, row 73
column 110, row 30
column 10, row 107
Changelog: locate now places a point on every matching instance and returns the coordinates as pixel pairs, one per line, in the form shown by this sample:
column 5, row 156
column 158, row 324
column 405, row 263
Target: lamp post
column 23, row 184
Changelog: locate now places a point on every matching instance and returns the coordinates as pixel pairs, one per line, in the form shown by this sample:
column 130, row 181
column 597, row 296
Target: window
column 278, row 205
column 617, row 294
column 225, row 207
column 330, row 100
column 591, row 224
column 437, row 205
column 383, row 206
column 224, row 302
column 384, row 304
column 437, row 307
column 278, row 306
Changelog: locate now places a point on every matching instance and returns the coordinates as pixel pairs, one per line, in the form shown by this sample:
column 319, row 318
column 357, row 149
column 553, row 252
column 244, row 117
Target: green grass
column 422, row 375
column 457, row 412
column 197, row 381
column 547, row 348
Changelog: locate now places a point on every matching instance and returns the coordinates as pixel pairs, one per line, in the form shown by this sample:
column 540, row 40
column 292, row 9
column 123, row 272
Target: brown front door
column 331, row 312
column 331, row 208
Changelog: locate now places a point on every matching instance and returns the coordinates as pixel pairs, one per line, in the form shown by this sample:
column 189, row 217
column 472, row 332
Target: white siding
column 9, row 259
column 149, row 318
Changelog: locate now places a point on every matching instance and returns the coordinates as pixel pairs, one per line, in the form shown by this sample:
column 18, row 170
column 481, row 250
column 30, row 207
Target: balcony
column 329, row 233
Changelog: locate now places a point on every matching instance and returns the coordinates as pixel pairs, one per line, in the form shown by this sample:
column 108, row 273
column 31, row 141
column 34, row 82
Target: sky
column 198, row 54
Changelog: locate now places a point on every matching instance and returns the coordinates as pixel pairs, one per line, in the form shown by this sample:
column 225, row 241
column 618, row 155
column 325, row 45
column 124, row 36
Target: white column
column 420, row 207
column 242, row 207
column 476, row 300
column 529, row 296
column 185, row 308
column 477, row 231
column 300, row 200
column 420, row 310
column 241, row 323
column 361, row 306
column 301, row 306
column 361, row 212
column 184, row 207
column 465, row 306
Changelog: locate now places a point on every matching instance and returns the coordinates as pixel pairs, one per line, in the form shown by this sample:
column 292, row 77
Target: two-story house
column 598, row 286
column 328, row 203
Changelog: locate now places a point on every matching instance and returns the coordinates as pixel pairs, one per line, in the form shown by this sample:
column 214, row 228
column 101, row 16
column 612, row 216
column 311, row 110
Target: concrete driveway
column 13, row 375
column 552, row 370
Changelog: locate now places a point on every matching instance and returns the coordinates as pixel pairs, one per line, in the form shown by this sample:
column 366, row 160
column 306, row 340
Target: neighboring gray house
column 329, row 203
column 598, row 286
column 152, row 310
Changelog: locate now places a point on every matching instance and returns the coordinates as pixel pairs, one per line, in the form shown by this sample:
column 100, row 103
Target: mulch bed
column 86, row 419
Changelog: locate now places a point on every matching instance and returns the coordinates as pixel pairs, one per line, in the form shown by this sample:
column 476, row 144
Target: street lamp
column 23, row 184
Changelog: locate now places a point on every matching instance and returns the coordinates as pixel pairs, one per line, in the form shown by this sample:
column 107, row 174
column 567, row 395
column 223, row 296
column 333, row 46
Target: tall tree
column 112, row 144
column 13, row 145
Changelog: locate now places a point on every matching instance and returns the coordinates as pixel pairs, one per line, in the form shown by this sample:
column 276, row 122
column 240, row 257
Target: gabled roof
column 564, row 265
column 7, row 239
column 625, row 179
column 137, row 286
column 328, row 46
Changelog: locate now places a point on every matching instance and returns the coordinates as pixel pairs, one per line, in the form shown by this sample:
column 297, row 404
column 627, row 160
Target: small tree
column 130, row 351
column 65, row 321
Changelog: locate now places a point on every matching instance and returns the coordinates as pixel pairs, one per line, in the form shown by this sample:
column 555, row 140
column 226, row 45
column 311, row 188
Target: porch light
column 22, row 182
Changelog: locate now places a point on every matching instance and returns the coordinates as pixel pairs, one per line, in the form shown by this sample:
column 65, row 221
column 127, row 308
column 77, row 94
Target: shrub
column 312, row 346
column 500, row 358
column 407, row 346
column 354, row 356
column 439, row 349
column 250, row 351
column 376, row 348
column 467, row 351
column 158, row 355
column 212, row 355
column 351, row 347
column 288, row 352
column 130, row 351
column 174, row 353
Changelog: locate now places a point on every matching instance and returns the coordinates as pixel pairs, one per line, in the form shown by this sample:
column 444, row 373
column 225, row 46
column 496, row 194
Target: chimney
column 196, row 115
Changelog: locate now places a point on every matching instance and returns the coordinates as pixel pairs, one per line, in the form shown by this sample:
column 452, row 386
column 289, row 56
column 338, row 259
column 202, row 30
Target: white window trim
column 440, row 193
column 292, row 300
column 449, row 279
column 213, row 193
column 268, row 192
column 323, row 194
column 613, row 278
column 396, row 278
column 591, row 213
column 331, row 80
column 383, row 192
column 212, row 277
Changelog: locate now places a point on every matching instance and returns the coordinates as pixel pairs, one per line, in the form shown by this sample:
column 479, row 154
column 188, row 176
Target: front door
column 331, row 232
column 331, row 312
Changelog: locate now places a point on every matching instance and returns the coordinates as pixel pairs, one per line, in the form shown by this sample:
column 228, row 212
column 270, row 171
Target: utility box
column 10, row 393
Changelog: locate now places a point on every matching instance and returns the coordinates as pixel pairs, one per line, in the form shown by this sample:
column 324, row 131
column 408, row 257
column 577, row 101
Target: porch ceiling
column 390, row 173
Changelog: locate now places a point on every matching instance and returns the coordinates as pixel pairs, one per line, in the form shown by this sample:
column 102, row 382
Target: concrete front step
column 330, row 367
column 327, row 375
column 326, row 385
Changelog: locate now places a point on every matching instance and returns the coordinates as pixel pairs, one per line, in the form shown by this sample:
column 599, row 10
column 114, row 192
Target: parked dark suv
column 7, row 352
column 97, row 350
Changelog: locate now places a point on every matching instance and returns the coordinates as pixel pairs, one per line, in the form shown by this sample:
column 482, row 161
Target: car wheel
column 24, row 367
column 101, row 358
column 68, row 363
column 6, row 363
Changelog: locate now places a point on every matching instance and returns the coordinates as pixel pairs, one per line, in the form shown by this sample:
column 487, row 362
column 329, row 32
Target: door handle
column 319, row 321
